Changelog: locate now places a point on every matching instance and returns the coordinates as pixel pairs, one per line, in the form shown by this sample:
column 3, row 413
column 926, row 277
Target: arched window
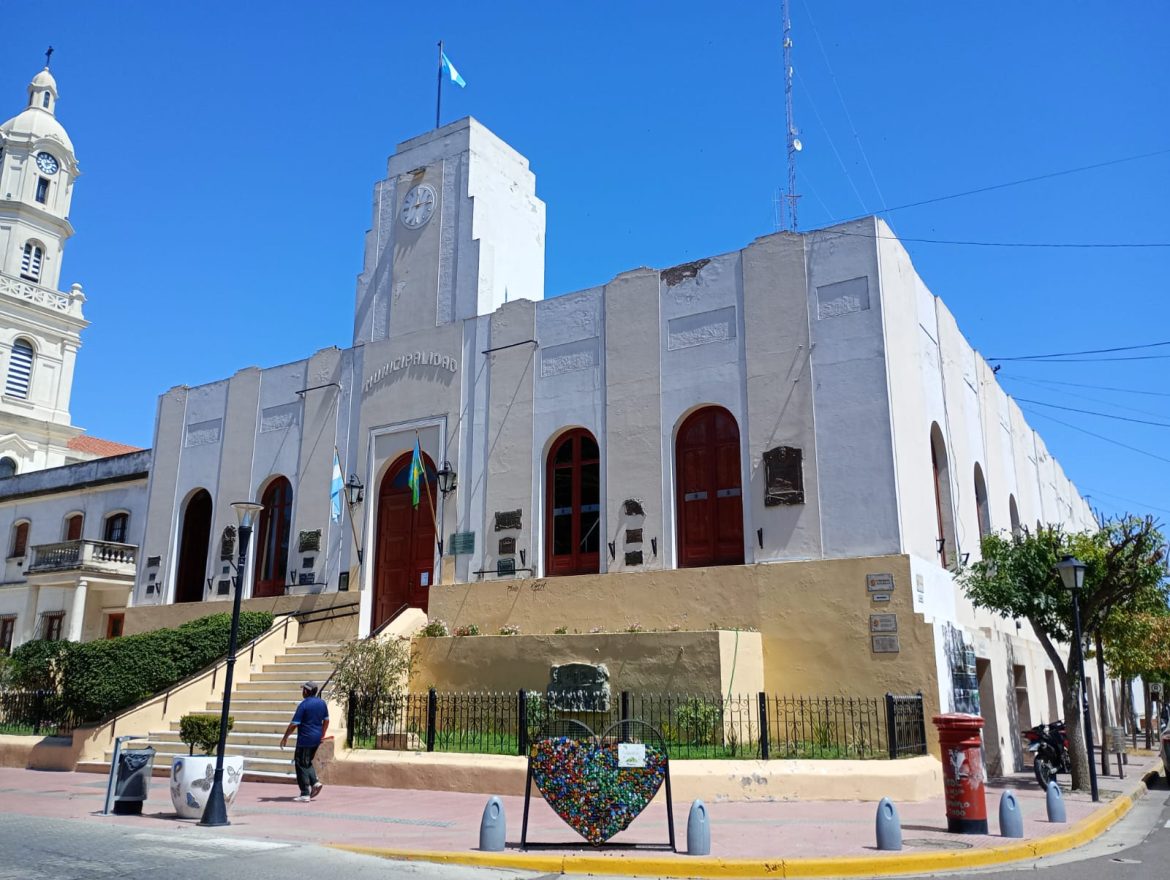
column 115, row 530
column 708, row 502
column 73, row 526
column 945, row 544
column 20, row 366
column 19, row 540
column 7, row 467
column 30, row 260
column 1014, row 513
column 272, row 540
column 573, row 505
column 45, row 100
column 981, row 506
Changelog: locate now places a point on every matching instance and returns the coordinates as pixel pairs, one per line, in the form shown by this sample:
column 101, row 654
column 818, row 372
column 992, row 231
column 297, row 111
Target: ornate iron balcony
column 103, row 556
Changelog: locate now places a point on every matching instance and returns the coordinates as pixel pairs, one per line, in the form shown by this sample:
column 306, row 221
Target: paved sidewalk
column 449, row 822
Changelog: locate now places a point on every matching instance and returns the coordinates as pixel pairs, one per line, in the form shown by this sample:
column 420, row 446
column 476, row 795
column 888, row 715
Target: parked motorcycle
column 1048, row 744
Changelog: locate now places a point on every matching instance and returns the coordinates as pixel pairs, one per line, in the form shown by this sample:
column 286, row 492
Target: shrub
column 39, row 665
column 373, row 668
column 509, row 629
column 103, row 677
column 435, row 629
column 699, row 721
column 202, row 731
column 634, row 627
column 561, row 630
column 469, row 629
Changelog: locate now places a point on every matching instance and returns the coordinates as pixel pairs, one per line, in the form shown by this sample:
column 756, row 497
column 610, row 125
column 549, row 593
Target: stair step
column 235, row 737
column 250, row 705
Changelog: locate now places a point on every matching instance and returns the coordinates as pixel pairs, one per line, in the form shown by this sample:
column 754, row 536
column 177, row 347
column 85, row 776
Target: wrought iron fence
column 694, row 726
column 36, row 713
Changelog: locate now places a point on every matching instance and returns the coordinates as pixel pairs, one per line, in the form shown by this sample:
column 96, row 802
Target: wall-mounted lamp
column 963, row 559
column 654, row 546
column 447, row 478
column 939, row 543
column 613, row 550
column 353, row 490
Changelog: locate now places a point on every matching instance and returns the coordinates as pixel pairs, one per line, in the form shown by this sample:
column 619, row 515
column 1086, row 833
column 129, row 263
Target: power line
column 1089, row 412
column 1077, row 396
column 1033, row 357
column 1100, row 436
column 1083, row 385
column 1006, row 244
column 1055, row 360
column 1023, row 180
column 1130, row 500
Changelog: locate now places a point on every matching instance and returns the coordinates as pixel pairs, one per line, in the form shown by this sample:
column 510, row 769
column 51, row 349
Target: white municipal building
column 801, row 400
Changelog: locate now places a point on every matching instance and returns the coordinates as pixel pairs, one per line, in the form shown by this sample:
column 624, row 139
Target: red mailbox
column 963, row 776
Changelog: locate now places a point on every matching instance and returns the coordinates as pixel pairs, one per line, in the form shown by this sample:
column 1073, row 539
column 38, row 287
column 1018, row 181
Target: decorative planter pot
column 191, row 779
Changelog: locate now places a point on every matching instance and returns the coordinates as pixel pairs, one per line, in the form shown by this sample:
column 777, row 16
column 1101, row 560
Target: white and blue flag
column 336, row 487
column 450, row 70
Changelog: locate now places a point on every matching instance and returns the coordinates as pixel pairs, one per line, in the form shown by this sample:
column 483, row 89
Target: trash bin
column 963, row 776
column 135, row 767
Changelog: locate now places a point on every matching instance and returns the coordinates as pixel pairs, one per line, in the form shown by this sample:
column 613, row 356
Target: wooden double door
column 710, row 493
column 405, row 559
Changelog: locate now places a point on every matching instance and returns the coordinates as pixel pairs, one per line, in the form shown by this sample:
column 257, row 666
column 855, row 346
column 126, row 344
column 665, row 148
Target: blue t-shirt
column 309, row 718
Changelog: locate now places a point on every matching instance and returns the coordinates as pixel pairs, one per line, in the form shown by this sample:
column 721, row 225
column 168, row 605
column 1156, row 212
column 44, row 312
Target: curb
column 851, row 866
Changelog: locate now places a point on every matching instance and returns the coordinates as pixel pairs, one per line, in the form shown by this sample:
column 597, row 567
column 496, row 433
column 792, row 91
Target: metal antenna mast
column 793, row 142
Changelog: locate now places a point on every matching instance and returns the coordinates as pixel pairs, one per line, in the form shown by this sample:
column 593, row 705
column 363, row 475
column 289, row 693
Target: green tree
column 1017, row 577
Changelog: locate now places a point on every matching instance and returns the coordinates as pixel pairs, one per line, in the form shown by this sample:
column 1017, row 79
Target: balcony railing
column 103, row 556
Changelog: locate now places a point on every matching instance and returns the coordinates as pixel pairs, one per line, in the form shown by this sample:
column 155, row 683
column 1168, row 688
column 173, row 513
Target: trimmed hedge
column 102, row 677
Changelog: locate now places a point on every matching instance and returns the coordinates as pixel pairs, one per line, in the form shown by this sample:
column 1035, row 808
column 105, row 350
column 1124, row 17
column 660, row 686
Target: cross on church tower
column 48, row 57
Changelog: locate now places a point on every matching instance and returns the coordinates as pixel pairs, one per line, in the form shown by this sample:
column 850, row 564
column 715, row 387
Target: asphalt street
column 33, row 848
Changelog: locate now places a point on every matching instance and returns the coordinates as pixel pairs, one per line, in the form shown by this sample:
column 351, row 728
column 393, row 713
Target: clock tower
column 40, row 326
column 457, row 232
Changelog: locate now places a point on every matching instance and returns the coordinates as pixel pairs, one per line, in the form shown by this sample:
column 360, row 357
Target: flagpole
column 439, row 86
column 430, row 501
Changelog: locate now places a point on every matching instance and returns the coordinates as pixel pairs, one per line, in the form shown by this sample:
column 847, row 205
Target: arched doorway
column 945, row 543
column 195, row 537
column 709, row 504
column 272, row 543
column 573, row 505
column 405, row 557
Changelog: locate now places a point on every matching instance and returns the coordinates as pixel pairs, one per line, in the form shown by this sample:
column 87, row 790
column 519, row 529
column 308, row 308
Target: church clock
column 47, row 163
column 418, row 206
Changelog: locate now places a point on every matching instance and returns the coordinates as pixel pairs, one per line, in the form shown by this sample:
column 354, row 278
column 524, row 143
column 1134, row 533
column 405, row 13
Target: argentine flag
column 335, row 488
column 452, row 72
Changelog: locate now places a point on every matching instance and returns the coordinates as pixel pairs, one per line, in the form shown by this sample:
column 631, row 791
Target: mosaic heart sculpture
column 581, row 780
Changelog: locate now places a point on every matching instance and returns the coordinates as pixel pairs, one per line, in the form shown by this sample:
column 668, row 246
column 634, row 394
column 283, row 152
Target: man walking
column 310, row 721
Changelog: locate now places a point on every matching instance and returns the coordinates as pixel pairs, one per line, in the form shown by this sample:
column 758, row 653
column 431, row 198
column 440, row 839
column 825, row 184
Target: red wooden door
column 73, row 527
column 272, row 544
column 405, row 558
column 709, row 503
column 573, row 506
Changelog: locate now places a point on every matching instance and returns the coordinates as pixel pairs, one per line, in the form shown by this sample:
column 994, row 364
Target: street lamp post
column 215, row 813
column 1072, row 573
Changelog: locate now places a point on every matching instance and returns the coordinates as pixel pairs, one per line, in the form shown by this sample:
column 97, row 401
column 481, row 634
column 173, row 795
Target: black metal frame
column 624, row 727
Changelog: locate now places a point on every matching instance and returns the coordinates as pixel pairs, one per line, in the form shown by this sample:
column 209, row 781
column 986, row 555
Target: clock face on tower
column 47, row 163
column 418, row 206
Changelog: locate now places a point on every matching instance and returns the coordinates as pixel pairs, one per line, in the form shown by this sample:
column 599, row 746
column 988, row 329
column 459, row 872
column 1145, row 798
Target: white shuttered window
column 19, row 369
column 30, row 262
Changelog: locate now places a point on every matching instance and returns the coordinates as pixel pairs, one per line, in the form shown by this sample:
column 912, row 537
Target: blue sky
column 229, row 152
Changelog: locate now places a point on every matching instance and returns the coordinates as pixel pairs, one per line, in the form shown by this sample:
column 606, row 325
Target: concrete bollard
column 492, row 826
column 1054, row 800
column 698, row 830
column 1011, row 820
column 889, row 826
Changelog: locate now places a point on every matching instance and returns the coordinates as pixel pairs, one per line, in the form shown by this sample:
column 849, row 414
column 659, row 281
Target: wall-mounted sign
column 413, row 359
column 880, row 597
column 885, row 644
column 879, row 583
column 509, row 519
column 883, row 623
column 461, row 543
column 920, row 588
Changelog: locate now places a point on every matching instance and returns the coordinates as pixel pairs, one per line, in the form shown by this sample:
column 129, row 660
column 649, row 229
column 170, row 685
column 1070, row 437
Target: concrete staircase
column 262, row 709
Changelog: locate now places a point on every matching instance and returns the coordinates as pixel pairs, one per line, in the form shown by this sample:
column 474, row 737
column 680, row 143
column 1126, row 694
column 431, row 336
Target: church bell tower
column 40, row 326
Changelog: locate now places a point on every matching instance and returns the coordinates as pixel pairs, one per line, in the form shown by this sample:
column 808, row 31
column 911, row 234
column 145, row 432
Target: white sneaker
column 302, row 799
column 316, row 790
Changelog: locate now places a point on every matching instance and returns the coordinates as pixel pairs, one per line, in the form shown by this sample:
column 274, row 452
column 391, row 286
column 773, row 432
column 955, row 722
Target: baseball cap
column 310, row 686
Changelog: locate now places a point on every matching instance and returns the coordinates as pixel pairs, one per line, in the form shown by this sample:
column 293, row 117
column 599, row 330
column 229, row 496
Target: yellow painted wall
column 145, row 618
column 813, row 617
column 659, row 663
